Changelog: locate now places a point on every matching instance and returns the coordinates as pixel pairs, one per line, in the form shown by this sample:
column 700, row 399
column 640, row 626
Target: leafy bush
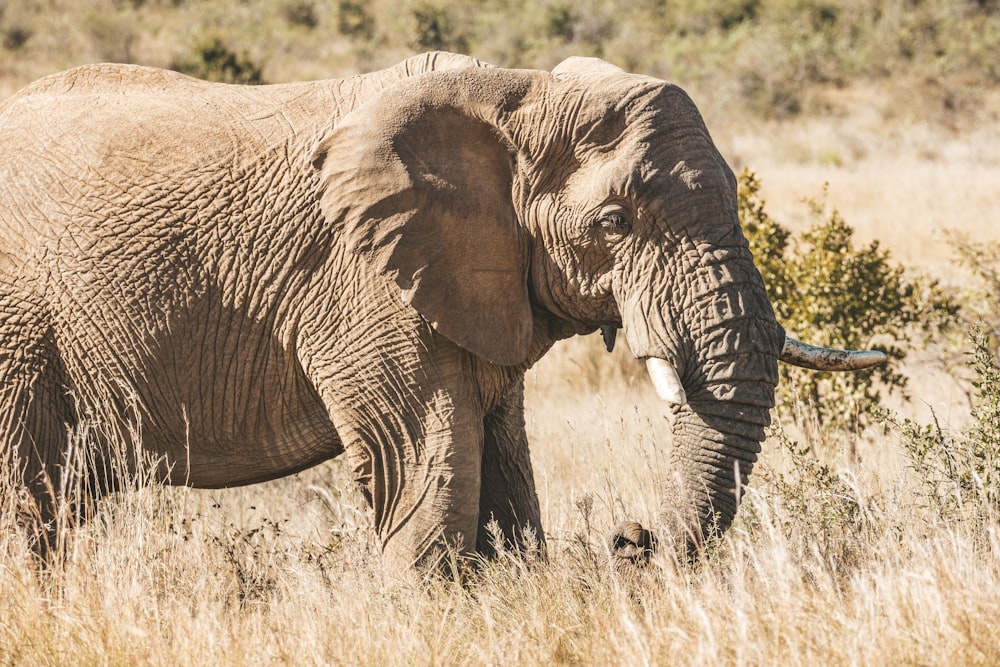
column 842, row 519
column 828, row 292
column 959, row 473
column 214, row 61
column 353, row 20
column 301, row 12
column 561, row 21
column 14, row 37
column 434, row 29
column 982, row 296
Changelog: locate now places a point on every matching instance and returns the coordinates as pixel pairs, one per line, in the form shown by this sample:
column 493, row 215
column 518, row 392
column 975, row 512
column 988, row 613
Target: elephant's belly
column 249, row 459
column 229, row 433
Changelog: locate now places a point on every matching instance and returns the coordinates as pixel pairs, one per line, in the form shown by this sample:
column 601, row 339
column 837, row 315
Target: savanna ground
column 875, row 546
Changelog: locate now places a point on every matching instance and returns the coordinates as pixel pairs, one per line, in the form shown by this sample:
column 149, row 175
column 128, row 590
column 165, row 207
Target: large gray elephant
column 263, row 278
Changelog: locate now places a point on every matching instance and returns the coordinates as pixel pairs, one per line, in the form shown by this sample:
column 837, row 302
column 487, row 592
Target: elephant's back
column 118, row 136
column 133, row 142
column 128, row 79
column 108, row 78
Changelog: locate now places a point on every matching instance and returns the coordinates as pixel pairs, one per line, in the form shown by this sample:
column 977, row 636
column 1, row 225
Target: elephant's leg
column 36, row 417
column 416, row 445
column 508, row 494
column 431, row 505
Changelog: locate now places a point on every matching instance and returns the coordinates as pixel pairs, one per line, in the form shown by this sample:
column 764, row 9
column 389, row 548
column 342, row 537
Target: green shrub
column 828, row 292
column 435, row 29
column 959, row 472
column 302, row 13
column 982, row 296
column 353, row 20
column 14, row 37
column 840, row 516
column 561, row 23
column 214, row 61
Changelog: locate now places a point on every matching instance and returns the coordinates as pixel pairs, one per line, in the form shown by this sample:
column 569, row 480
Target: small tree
column 959, row 472
column 828, row 292
column 434, row 28
column 214, row 61
column 354, row 20
column 982, row 297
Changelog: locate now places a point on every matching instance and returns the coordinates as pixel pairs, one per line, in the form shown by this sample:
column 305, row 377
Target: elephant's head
column 506, row 203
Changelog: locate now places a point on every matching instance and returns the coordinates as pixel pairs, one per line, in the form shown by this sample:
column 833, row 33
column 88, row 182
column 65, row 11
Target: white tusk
column 666, row 381
column 824, row 359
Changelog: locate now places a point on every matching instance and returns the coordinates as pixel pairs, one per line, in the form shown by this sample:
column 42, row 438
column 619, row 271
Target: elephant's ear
column 420, row 181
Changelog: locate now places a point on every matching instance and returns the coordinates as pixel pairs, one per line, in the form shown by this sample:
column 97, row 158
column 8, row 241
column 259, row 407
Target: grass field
column 842, row 553
column 848, row 564
column 905, row 182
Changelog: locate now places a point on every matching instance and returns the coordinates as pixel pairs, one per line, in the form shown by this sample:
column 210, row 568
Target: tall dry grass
column 836, row 558
column 897, row 178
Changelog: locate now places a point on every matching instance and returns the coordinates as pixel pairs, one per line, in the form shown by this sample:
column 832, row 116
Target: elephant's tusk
column 666, row 381
column 815, row 358
column 609, row 332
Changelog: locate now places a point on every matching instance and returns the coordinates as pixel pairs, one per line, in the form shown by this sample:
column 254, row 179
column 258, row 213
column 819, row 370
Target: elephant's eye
column 615, row 221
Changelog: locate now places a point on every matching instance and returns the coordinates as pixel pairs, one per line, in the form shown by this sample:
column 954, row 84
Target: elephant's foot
column 631, row 544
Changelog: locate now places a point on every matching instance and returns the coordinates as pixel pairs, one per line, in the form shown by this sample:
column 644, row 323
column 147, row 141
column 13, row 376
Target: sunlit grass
column 834, row 559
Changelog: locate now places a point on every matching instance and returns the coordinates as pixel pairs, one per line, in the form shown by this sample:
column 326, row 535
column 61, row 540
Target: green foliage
column 214, row 61
column 302, row 13
column 826, row 291
column 807, row 486
column 960, row 472
column 982, row 295
column 14, row 37
column 768, row 239
column 436, row 30
column 353, row 20
column 985, row 430
column 732, row 13
column 561, row 22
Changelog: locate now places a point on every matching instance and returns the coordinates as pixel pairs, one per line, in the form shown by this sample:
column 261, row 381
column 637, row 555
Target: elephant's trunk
column 715, row 363
column 716, row 445
column 719, row 423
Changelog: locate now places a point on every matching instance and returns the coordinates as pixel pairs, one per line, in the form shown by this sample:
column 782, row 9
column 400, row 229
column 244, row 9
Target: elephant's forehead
column 640, row 168
column 608, row 174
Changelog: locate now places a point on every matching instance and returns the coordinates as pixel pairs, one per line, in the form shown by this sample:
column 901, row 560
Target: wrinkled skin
column 265, row 278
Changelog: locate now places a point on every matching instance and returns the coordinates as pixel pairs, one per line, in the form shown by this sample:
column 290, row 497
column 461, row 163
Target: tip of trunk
column 716, row 445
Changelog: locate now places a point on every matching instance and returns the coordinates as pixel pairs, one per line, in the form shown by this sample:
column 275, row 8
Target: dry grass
column 847, row 569
column 902, row 181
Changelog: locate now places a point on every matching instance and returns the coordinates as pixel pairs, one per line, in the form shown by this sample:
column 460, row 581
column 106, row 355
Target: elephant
column 266, row 277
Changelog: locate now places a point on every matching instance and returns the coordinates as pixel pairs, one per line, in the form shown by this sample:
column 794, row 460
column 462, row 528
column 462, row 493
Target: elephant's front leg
column 429, row 501
column 418, row 459
column 508, row 495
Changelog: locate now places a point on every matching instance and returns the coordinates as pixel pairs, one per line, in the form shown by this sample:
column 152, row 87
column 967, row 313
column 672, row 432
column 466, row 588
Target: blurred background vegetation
column 767, row 58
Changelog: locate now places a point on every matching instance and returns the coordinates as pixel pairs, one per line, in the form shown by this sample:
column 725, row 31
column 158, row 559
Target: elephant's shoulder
column 435, row 61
